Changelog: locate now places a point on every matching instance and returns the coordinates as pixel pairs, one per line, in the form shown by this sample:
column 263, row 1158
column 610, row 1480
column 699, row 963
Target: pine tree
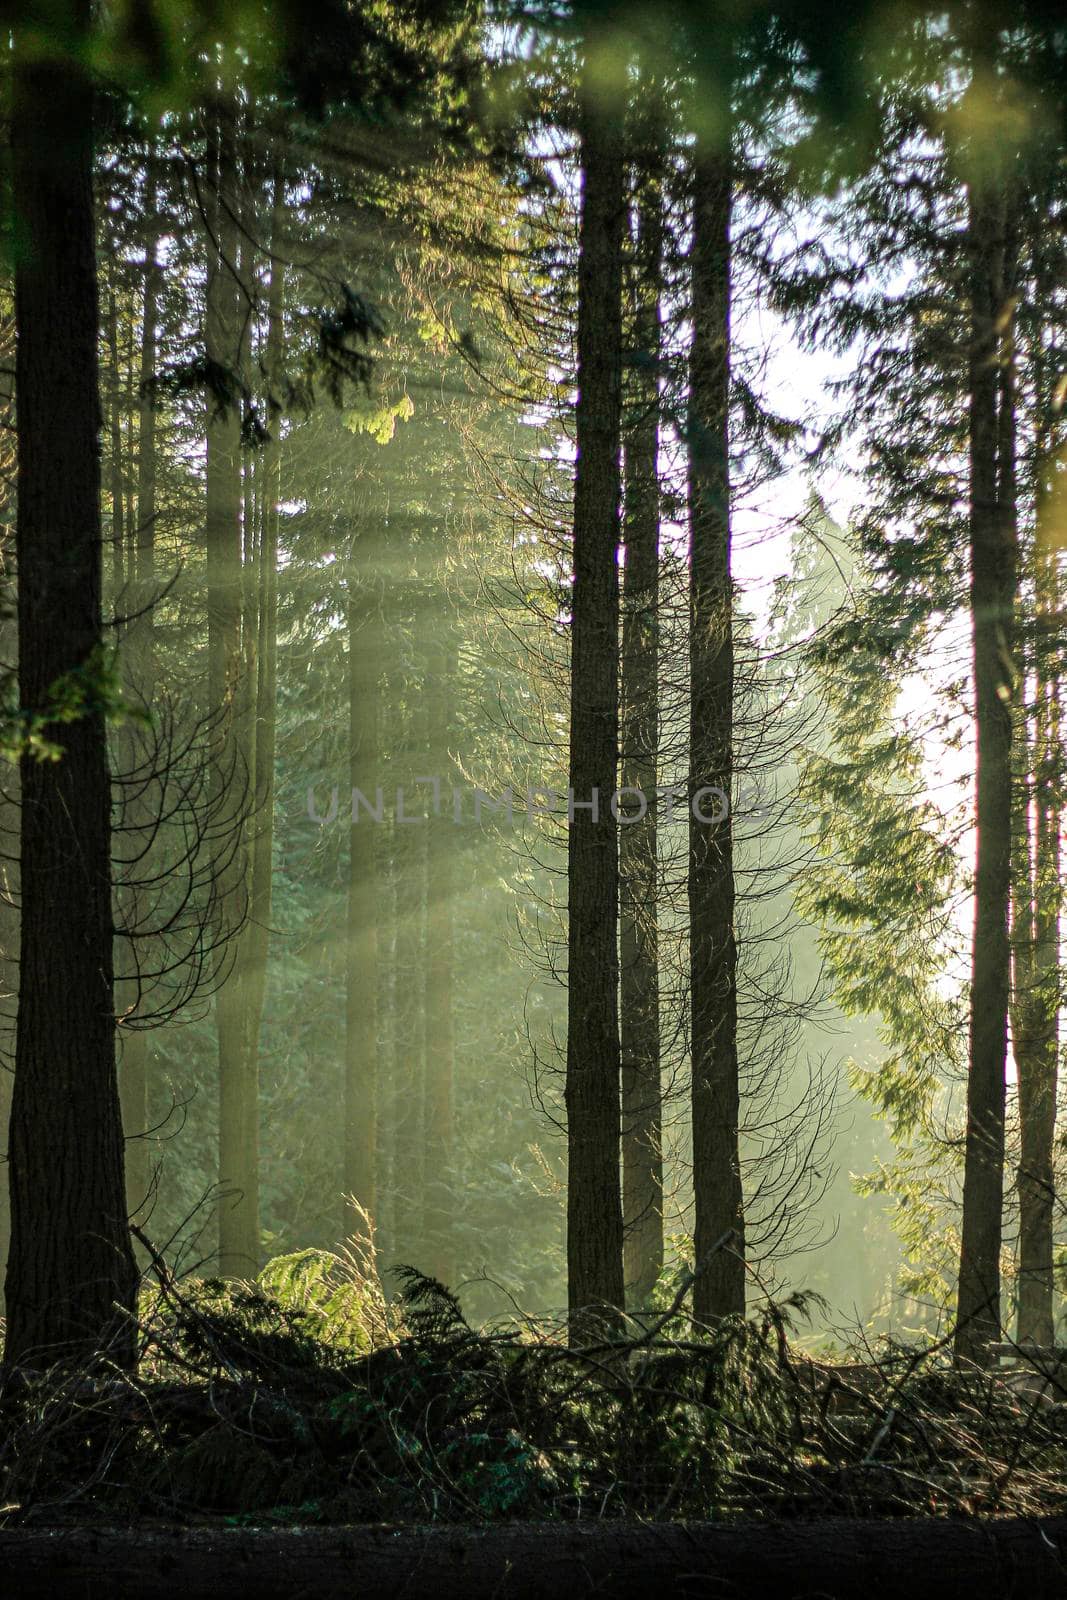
column 594, row 1210
column 71, row 1279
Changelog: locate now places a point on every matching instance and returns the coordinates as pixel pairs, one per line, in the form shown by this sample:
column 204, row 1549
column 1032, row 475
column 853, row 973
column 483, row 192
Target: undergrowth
column 304, row 1397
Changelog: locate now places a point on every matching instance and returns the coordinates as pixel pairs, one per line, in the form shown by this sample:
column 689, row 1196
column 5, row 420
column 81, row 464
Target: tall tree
column 263, row 480
column 71, row 1278
column 1036, row 887
column 361, row 976
column 140, row 674
column 718, row 1230
column 639, row 1006
column 594, row 1210
column 223, row 330
column 992, row 248
column 438, row 1119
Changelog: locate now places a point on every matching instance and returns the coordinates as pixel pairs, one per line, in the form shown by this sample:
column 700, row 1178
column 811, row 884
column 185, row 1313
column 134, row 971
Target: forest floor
column 284, row 1436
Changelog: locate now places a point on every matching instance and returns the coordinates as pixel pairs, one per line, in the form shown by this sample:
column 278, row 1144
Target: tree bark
column 1035, row 1014
column 993, row 587
column 238, row 1109
column 139, row 657
column 115, row 456
column 594, row 1209
column 639, row 1021
column 257, row 727
column 719, row 1226
column 71, row 1278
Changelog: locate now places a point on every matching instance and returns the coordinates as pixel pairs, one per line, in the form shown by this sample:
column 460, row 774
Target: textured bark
column 594, row 1209
column 6, row 1081
column 141, row 673
column 361, row 976
column 117, row 537
column 440, row 957
column 238, row 1109
column 1036, row 950
column 834, row 1558
column 256, row 725
column 642, row 1110
column 993, row 586
column 718, row 1231
column 71, row 1279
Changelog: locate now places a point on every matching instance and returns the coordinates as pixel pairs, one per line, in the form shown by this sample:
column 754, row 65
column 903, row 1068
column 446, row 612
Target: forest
column 532, row 947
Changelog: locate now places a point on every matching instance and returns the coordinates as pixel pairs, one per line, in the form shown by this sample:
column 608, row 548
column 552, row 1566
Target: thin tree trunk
column 719, row 1227
column 256, row 722
column 71, row 1278
column 141, row 672
column 642, row 1111
column 115, row 452
column 385, row 1142
column 1036, row 1033
column 594, row 1209
column 238, row 1174
column 410, row 1065
column 993, row 584
column 440, row 960
column 361, row 979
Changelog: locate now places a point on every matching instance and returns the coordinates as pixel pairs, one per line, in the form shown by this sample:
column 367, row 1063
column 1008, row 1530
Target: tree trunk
column 238, row 1110
column 409, row 1147
column 642, row 1110
column 719, row 1229
column 115, row 457
column 386, row 997
column 141, row 675
column 993, row 585
column 71, row 1278
column 440, row 959
column 594, row 1209
column 256, row 727
column 361, row 979
column 1035, row 1016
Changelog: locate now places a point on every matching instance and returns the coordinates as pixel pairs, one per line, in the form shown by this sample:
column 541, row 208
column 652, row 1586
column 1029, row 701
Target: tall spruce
column 992, row 251
column 71, row 1278
column 718, row 1228
column 361, row 1182
column 594, row 1209
column 223, row 338
column 639, row 1000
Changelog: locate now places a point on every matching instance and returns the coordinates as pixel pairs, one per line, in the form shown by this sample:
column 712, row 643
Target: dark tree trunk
column 718, row 1232
column 139, row 658
column 1035, row 1014
column 71, row 1278
column 116, row 454
column 594, row 1209
column 642, row 1111
column 238, row 1108
column 263, row 482
column 993, row 586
